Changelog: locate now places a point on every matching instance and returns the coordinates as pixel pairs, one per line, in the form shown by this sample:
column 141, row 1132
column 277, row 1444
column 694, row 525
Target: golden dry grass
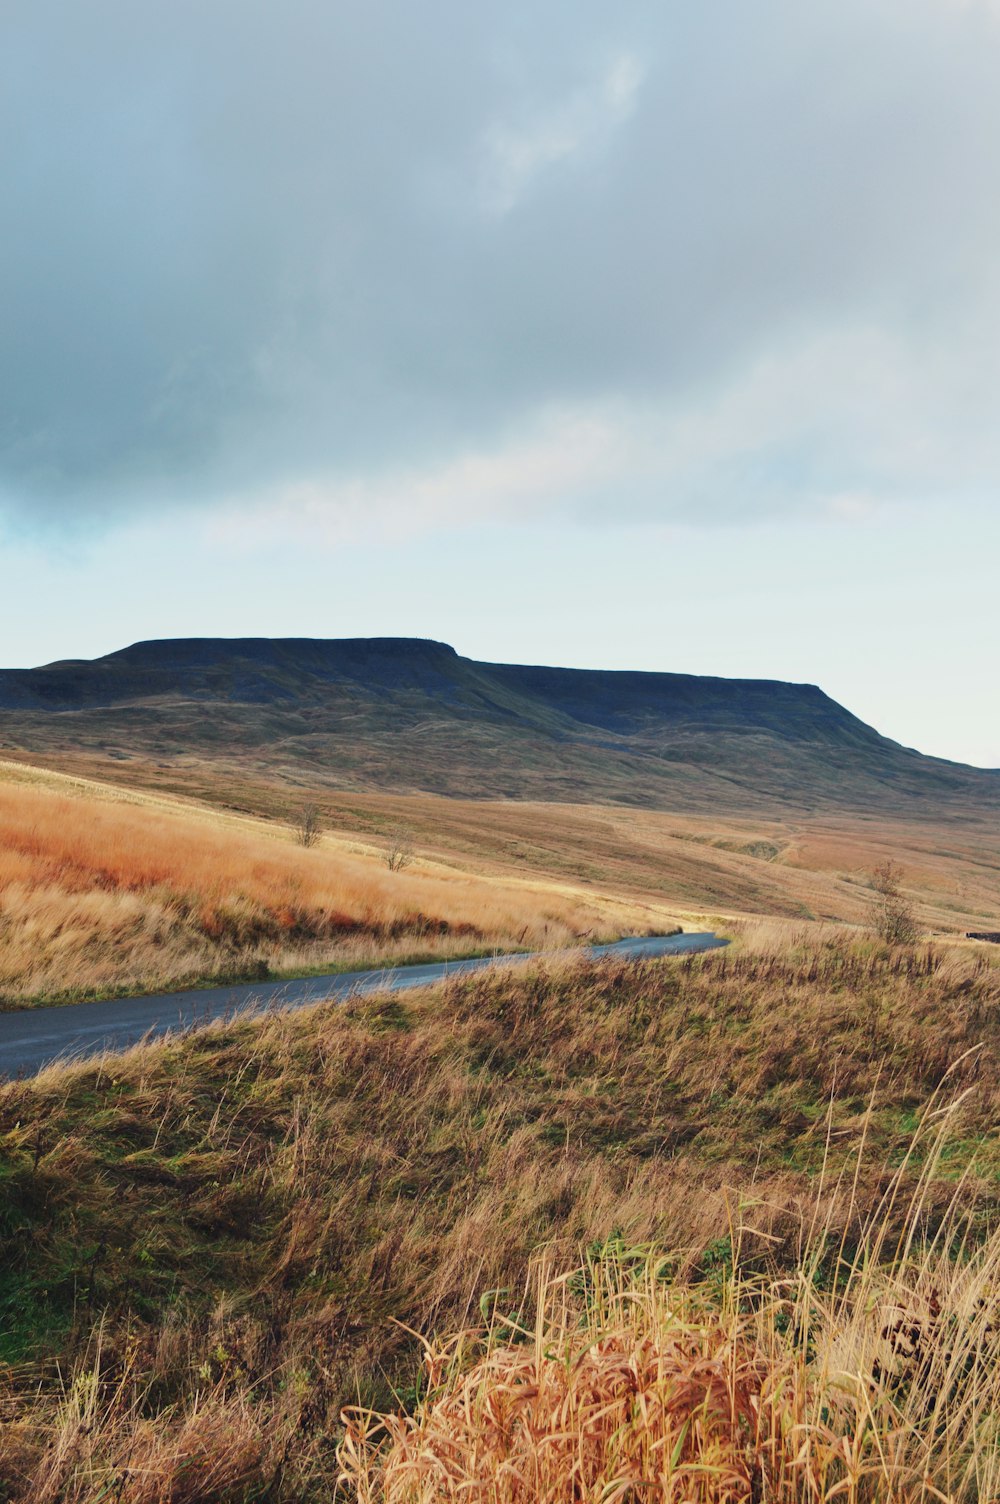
column 621, row 1382
column 815, row 869
column 621, row 1388
column 865, row 1372
column 215, row 1238
column 100, row 892
column 701, row 868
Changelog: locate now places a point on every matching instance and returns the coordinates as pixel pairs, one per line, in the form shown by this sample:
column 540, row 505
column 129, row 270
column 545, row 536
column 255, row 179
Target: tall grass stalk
column 868, row 1376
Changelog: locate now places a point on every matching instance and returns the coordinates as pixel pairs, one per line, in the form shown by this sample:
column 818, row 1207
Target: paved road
column 34, row 1037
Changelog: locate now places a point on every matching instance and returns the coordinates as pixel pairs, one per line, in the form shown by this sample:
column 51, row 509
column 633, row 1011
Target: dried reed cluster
column 869, row 1374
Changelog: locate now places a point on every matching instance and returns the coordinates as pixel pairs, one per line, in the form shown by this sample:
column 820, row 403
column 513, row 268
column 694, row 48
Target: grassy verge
column 220, row 1235
column 371, row 957
column 256, row 969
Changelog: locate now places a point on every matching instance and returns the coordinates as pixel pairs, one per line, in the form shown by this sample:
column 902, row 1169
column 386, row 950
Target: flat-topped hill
column 409, row 714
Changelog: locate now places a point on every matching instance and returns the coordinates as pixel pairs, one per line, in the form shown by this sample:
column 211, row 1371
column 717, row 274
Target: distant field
column 811, row 867
column 104, row 890
column 193, row 874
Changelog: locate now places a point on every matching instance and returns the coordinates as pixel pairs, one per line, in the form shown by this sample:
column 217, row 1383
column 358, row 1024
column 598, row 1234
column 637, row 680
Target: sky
column 651, row 336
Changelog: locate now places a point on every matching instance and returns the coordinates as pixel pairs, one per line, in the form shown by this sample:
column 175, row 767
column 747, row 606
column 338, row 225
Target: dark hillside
column 407, row 714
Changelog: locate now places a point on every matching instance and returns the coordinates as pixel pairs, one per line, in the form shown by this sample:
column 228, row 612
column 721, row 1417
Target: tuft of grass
column 872, row 1377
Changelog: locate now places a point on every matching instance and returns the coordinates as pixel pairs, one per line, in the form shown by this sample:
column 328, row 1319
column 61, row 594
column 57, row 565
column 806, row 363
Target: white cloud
column 568, row 454
column 514, row 154
column 838, row 426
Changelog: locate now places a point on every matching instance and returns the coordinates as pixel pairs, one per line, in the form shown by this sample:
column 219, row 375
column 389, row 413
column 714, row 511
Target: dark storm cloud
column 248, row 247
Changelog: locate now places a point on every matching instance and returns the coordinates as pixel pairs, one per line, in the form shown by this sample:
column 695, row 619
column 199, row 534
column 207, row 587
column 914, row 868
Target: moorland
column 109, row 892
column 718, row 1228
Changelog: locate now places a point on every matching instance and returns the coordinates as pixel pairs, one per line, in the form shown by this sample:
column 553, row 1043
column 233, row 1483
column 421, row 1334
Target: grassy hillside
column 102, row 892
column 106, row 888
column 208, row 1246
column 812, row 868
column 213, row 1251
column 408, row 715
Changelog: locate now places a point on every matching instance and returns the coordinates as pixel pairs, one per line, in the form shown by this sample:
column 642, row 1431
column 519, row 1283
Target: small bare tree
column 399, row 848
column 308, row 825
column 891, row 912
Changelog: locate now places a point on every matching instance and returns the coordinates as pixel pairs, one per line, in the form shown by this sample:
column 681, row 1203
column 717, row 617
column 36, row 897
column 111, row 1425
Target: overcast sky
column 646, row 335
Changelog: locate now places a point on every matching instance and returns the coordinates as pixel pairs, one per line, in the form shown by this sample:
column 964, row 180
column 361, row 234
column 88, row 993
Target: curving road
column 34, row 1037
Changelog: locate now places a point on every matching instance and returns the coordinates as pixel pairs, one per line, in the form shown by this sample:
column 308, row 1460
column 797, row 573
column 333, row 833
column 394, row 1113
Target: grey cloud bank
column 444, row 260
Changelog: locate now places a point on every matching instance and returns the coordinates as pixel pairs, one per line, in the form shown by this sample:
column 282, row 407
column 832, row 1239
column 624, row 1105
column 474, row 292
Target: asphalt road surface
column 34, row 1037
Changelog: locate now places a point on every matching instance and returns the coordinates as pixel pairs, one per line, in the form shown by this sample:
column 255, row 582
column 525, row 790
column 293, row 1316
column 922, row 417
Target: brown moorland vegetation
column 698, row 868
column 208, row 1245
column 104, row 893
column 812, row 868
column 621, row 1380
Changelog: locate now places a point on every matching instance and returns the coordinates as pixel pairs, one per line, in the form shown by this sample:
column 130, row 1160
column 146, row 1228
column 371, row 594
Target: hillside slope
column 109, row 893
column 210, row 1247
column 407, row 714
